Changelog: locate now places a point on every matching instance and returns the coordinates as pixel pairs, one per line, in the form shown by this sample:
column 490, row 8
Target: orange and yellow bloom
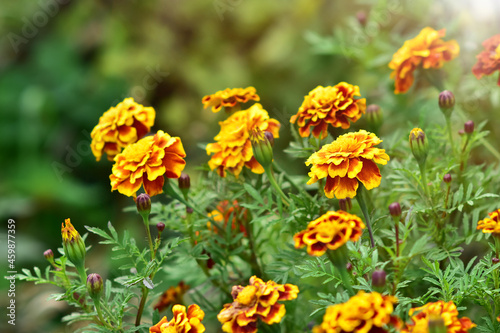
column 362, row 313
column 171, row 296
column 335, row 105
column 182, row 321
column 427, row 50
column 226, row 212
column 446, row 311
column 257, row 300
column 488, row 61
column 230, row 98
column 490, row 224
column 146, row 162
column 119, row 127
column 233, row 149
column 347, row 160
column 329, row 232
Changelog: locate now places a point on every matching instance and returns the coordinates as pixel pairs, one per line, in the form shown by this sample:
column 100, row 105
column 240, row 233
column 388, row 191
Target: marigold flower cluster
column 119, row 127
column 347, row 160
column 427, row 50
column 171, row 296
column 488, row 61
column 329, row 232
column 257, row 300
column 362, row 313
column 226, row 212
column 446, row 311
column 146, row 162
column 490, row 224
column 229, row 98
column 233, row 149
column 181, row 322
column 335, row 105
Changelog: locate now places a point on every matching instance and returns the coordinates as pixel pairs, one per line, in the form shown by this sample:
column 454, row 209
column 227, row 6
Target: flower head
column 94, row 285
column 73, row 244
column 229, row 98
column 335, row 105
column 421, row 316
column 233, row 149
column 362, row 313
column 427, row 50
column 347, row 160
column 329, row 232
column 490, row 224
column 257, row 300
column 171, row 296
column 146, row 162
column 181, row 322
column 120, row 126
column 230, row 213
column 488, row 61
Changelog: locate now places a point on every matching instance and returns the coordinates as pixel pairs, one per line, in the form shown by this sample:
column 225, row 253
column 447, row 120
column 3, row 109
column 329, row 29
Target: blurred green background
column 63, row 63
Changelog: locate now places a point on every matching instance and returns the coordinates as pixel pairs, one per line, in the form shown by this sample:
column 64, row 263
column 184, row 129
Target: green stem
column 253, row 257
column 492, row 149
column 97, row 304
column 364, row 209
column 338, row 258
column 82, row 273
column 423, row 174
column 289, row 179
column 145, row 219
column 145, row 292
column 450, row 134
column 276, row 187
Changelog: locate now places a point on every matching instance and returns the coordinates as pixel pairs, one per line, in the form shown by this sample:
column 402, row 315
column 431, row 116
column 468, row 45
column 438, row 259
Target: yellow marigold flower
column 362, row 313
column 447, row 311
column 171, row 296
column 329, row 105
column 146, row 162
column 329, row 232
column 181, row 322
column 427, row 50
column 490, row 224
column 229, row 98
column 233, row 149
column 73, row 244
column 347, row 160
column 120, row 126
column 257, row 300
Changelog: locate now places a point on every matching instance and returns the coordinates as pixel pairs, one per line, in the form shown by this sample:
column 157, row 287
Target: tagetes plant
column 488, row 61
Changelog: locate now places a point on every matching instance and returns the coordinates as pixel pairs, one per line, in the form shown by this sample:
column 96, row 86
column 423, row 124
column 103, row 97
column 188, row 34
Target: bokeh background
column 63, row 63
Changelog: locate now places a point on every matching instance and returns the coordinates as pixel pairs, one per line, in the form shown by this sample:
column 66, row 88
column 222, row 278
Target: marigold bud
column 189, row 210
column 419, row 145
column 160, row 226
column 262, row 148
column 361, row 17
column 461, row 132
column 495, row 260
column 49, row 255
column 269, row 137
column 143, row 202
column 184, row 184
column 374, row 114
column 378, row 278
column 94, row 285
column 446, row 102
column 469, row 127
column 395, row 209
column 447, row 178
column 345, row 204
column 73, row 244
column 348, row 266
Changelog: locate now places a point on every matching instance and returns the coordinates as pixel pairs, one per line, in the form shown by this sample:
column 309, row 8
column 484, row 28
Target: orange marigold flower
column 346, row 160
column 120, row 126
column 362, row 313
column 146, row 162
column 233, row 148
column 491, row 224
column 447, row 311
column 182, row 322
column 229, row 98
column 488, row 61
column 329, row 232
column 171, row 296
column 257, row 300
column 427, row 50
column 329, row 105
column 226, row 212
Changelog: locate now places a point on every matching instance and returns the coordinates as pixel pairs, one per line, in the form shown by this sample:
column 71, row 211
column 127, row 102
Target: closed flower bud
column 447, row 178
column 143, row 202
column 262, row 148
column 160, row 226
column 184, row 184
column 395, row 209
column 419, row 145
column 49, row 255
column 361, row 16
column 469, row 127
column 461, row 132
column 446, row 102
column 378, row 278
column 495, row 260
column 374, row 115
column 94, row 285
column 348, row 266
column 345, row 204
column 73, row 244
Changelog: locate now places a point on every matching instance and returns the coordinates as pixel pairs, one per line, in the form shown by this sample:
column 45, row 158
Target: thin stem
column 145, row 292
column 82, row 273
column 287, row 177
column 396, row 259
column 148, row 232
column 492, row 149
column 423, row 174
column 253, row 257
column 97, row 304
column 338, row 258
column 450, row 134
column 364, row 209
column 275, row 185
column 446, row 199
